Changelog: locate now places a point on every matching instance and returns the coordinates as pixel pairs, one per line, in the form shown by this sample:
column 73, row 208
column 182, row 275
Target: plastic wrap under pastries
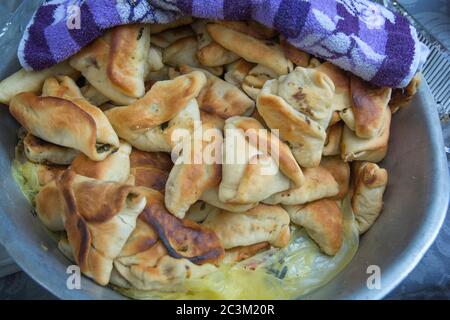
column 285, row 179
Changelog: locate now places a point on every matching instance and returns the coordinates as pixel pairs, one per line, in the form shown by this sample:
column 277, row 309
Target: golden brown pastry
column 369, row 184
column 94, row 96
column 148, row 123
column 220, row 97
column 261, row 224
column 184, row 52
column 235, row 72
column 116, row 63
column 98, row 218
column 373, row 149
column 402, row 96
column 251, row 173
column 297, row 56
column 150, row 177
column 319, row 183
column 166, row 38
column 251, row 49
column 195, row 171
column 65, row 123
column 40, row 151
column 158, row 160
column 322, row 221
column 251, row 28
column 115, row 167
column 300, row 106
column 154, row 61
column 370, row 105
column 342, row 97
column 50, row 207
column 48, row 173
column 211, row 197
column 31, row 81
column 237, row 254
column 199, row 211
column 340, row 170
column 348, row 116
column 332, row 144
column 182, row 238
column 210, row 53
column 161, row 27
column 212, row 119
column 255, row 80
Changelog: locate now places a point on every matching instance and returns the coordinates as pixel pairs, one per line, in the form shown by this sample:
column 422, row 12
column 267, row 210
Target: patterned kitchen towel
column 358, row 35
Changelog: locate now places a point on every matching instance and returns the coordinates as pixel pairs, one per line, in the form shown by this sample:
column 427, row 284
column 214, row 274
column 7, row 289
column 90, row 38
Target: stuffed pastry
column 263, row 223
column 369, row 184
column 401, row 96
column 264, row 52
column 211, row 197
column 297, row 56
column 319, row 183
column 342, row 97
column 93, row 95
column 235, row 72
column 98, row 218
column 370, row 105
column 256, row 164
column 322, row 220
column 255, row 80
column 332, row 144
column 40, row 151
column 300, row 106
column 340, row 170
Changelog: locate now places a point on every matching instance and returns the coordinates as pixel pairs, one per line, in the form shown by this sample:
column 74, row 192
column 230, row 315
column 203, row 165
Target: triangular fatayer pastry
column 98, row 217
column 147, row 124
column 300, row 106
column 260, row 224
column 256, row 164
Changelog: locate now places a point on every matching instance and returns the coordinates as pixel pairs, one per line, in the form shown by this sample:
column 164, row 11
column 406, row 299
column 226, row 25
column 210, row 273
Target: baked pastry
column 40, row 151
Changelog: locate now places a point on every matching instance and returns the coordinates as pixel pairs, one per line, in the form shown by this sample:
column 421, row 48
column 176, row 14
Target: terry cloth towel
column 358, row 35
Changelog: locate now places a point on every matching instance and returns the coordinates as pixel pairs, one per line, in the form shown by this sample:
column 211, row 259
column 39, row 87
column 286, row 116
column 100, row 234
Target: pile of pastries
column 101, row 129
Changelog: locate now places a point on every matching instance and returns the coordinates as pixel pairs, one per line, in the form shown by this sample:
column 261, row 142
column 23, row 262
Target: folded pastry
column 335, row 118
column 195, row 171
column 210, row 53
column 212, row 119
column 211, row 197
column 373, row 149
column 340, row 170
column 184, row 52
column 348, row 116
column 48, row 173
column 342, row 98
column 166, row 38
column 154, row 60
column 401, row 96
column 256, row 164
column 318, row 184
column 370, row 105
column 148, row 123
column 235, row 72
column 31, row 81
column 161, row 27
column 263, row 223
column 322, row 221
column 158, row 160
column 115, row 167
column 264, row 52
column 199, row 211
column 250, row 27
column 332, row 144
column 297, row 56
column 65, row 123
column 220, row 97
column 40, row 151
column 154, row 269
column 150, row 177
column 116, row 64
column 93, row 95
column 237, row 254
column 50, row 207
column 300, row 106
column 98, row 218
column 369, row 184
column 255, row 80
column 182, row 238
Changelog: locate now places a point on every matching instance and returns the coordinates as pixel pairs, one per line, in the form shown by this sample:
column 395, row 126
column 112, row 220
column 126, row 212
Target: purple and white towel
column 358, row 35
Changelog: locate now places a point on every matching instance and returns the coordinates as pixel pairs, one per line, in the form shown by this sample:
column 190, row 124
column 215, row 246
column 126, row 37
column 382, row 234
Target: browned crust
column 158, row 160
column 182, row 238
column 369, row 107
column 244, row 252
column 124, row 41
column 149, row 177
column 298, row 57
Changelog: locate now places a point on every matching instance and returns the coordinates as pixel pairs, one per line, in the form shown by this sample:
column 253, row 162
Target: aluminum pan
column 415, row 206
